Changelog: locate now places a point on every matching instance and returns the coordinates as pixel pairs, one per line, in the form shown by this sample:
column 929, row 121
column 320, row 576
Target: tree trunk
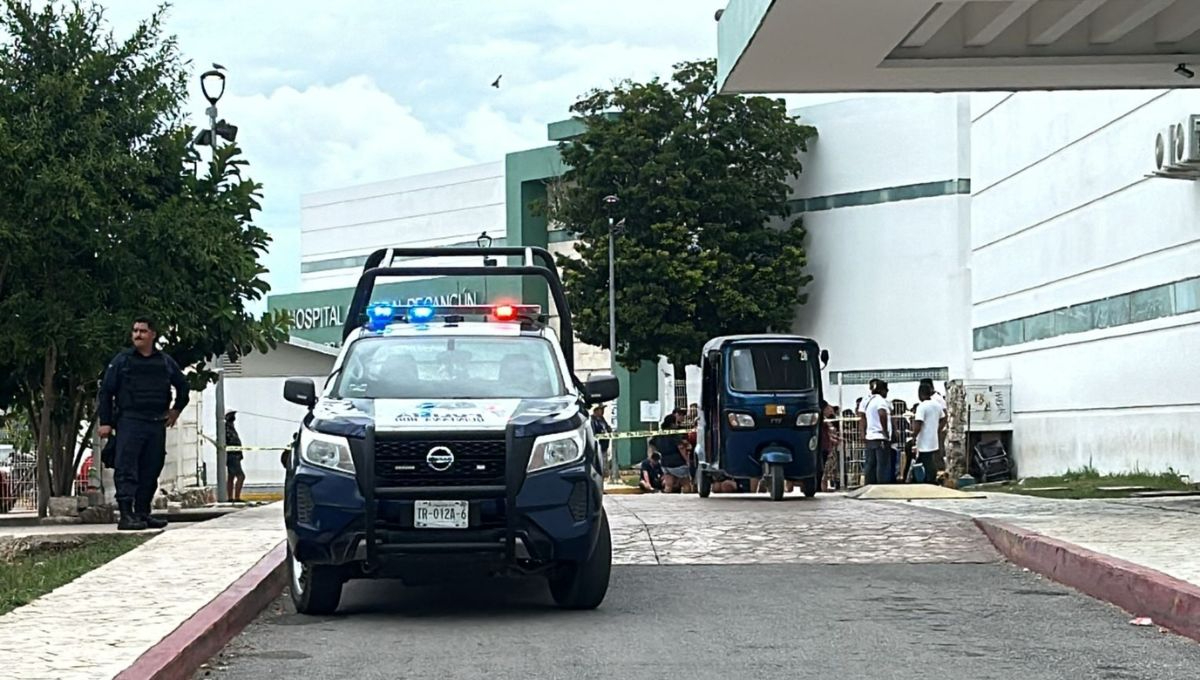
column 69, row 447
column 45, row 430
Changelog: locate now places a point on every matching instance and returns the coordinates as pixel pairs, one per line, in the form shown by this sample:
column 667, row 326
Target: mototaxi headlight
column 326, row 450
column 555, row 450
column 807, row 419
column 740, row 421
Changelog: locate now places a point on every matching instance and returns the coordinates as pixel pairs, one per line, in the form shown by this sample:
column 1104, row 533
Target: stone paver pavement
column 751, row 529
column 1157, row 533
column 99, row 624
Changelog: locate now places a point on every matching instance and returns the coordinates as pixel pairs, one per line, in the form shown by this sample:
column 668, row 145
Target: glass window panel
column 1111, row 312
column 1187, row 296
column 999, row 335
column 1074, row 319
column 1039, row 327
column 1155, row 303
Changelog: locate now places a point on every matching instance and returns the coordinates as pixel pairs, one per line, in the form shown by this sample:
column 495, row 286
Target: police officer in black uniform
column 140, row 379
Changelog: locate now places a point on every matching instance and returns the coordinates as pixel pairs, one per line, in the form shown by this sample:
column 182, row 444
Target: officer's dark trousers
column 141, row 450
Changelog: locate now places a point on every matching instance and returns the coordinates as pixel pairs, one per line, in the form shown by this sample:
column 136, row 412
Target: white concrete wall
column 872, row 143
column 434, row 209
column 1063, row 213
column 891, row 285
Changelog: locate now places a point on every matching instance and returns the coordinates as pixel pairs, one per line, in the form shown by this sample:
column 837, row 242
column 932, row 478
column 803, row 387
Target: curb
column 196, row 640
column 1170, row 602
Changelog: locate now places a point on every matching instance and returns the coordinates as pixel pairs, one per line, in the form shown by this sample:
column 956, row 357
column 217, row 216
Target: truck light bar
column 380, row 315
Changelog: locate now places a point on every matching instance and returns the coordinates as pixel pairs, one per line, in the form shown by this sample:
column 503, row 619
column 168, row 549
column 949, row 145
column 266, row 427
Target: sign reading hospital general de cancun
column 320, row 315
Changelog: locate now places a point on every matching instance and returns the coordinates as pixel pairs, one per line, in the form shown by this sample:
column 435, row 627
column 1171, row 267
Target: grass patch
column 1087, row 483
column 43, row 569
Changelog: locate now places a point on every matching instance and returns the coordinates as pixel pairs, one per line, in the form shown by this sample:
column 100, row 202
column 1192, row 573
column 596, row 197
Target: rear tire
column 316, row 590
column 583, row 585
column 777, row 482
column 809, row 487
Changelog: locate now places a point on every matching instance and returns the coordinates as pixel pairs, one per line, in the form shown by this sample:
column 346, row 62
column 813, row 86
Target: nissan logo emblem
column 440, row 458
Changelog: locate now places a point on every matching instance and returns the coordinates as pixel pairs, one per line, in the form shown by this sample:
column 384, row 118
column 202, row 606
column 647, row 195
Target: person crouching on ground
column 676, row 471
column 652, row 473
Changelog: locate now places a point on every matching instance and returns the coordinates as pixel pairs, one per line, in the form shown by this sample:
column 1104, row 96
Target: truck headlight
column 807, row 419
column 326, row 450
column 554, row 450
column 740, row 421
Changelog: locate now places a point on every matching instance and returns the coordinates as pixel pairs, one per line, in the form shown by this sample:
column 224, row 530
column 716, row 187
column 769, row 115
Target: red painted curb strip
column 1172, row 603
column 178, row 655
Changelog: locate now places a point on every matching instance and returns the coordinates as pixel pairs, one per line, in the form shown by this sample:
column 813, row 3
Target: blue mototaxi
column 760, row 412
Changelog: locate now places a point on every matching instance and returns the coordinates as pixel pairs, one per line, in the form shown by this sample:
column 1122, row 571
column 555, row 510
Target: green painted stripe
column 907, row 192
column 1168, row 299
column 357, row 261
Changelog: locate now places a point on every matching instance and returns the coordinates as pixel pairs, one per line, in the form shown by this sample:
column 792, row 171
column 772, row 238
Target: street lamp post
column 210, row 79
column 611, row 202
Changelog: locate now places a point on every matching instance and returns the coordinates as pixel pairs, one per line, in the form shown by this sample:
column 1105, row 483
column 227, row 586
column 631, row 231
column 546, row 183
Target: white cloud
column 327, row 95
column 330, row 136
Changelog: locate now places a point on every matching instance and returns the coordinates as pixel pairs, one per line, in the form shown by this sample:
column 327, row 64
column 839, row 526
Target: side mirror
column 824, row 358
column 300, row 391
column 602, row 388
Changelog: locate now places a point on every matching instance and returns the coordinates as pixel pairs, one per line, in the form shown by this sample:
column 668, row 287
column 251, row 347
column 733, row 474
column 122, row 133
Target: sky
column 328, row 95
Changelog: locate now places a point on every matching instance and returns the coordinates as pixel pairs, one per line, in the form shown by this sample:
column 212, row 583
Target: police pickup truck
column 448, row 443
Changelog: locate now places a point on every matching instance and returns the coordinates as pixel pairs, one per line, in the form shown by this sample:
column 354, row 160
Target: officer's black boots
column 130, row 521
column 143, row 513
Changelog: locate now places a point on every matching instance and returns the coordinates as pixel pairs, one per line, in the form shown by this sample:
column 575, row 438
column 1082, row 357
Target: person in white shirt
column 928, row 428
column 860, row 408
column 940, row 401
column 878, row 416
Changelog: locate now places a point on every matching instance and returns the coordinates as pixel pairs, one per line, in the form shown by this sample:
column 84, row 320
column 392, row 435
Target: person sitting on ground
column 676, row 471
column 723, row 483
column 652, row 473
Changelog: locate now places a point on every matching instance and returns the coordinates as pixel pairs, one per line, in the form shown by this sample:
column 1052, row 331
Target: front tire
column 583, row 585
column 316, row 590
column 703, row 484
column 777, row 482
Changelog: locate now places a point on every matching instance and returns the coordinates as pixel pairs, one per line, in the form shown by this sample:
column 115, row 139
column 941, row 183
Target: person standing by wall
column 929, row 428
column 139, row 381
column 233, row 460
column 879, row 435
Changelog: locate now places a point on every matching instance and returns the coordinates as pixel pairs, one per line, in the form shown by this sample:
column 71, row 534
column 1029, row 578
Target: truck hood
column 350, row 417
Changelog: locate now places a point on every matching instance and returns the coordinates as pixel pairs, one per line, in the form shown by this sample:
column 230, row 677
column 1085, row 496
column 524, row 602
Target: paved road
column 846, row 605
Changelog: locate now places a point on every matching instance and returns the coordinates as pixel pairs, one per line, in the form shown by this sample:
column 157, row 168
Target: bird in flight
column 496, row 82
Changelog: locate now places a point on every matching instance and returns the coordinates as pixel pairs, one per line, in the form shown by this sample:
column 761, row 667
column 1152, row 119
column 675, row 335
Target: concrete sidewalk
column 1142, row 555
column 100, row 624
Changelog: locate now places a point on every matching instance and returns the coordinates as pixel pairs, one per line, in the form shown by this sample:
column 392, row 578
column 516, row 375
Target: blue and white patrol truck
column 449, row 443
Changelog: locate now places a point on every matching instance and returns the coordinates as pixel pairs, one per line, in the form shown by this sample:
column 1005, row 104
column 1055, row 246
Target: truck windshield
column 450, row 368
column 781, row 367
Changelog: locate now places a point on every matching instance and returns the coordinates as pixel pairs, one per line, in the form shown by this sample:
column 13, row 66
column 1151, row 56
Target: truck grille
column 407, row 462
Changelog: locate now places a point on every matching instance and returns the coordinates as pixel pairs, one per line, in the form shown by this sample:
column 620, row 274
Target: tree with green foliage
column 708, row 246
column 104, row 216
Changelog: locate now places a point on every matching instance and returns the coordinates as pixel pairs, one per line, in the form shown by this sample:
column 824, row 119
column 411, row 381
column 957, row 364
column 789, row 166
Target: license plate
column 441, row 514
column 776, row 409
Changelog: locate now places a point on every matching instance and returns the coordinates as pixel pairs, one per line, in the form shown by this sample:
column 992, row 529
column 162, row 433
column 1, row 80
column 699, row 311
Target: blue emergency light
column 420, row 313
column 379, row 316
